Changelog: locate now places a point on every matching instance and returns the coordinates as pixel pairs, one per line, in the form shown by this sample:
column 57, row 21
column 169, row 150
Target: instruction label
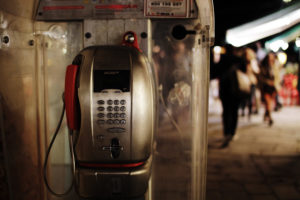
column 167, row 8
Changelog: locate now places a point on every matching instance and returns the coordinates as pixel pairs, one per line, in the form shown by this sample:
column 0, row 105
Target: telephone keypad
column 112, row 114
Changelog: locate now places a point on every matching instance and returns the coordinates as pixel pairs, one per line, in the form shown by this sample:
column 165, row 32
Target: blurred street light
column 282, row 57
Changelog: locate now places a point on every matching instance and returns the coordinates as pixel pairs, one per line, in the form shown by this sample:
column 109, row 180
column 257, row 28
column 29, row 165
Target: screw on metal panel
column 40, row 13
column 31, row 42
column 144, row 35
column 88, row 35
column 5, row 39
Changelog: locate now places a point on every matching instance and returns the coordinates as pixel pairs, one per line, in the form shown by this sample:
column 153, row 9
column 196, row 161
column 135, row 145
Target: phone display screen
column 111, row 79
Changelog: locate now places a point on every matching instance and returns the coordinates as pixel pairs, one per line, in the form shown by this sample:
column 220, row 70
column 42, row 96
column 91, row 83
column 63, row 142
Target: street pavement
column 261, row 163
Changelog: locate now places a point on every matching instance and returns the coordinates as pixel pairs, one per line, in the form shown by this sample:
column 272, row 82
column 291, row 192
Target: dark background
column 231, row 13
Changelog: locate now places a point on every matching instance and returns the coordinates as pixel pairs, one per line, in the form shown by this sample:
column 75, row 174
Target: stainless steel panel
column 19, row 8
column 143, row 107
column 18, row 89
column 110, row 32
column 115, row 184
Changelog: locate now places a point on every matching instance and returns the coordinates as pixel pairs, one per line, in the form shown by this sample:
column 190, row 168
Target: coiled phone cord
column 72, row 157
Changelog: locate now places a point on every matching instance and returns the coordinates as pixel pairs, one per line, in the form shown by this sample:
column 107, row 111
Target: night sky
column 231, row 13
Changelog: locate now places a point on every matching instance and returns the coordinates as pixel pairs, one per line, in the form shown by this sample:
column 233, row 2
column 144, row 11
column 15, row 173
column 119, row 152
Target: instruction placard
column 166, row 8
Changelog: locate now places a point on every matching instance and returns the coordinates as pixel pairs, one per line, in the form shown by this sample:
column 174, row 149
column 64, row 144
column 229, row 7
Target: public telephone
column 110, row 94
column 110, row 101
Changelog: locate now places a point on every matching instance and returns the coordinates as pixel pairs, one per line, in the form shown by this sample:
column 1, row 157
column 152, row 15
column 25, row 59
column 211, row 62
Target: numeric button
column 109, row 121
column 123, row 102
column 101, row 102
column 116, row 108
column 123, row 108
column 110, row 108
column 100, row 122
column 100, row 115
column 110, row 102
column 116, row 102
column 101, row 108
column 110, row 115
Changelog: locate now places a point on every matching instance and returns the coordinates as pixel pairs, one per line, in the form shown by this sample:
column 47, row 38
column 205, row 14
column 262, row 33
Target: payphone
column 110, row 102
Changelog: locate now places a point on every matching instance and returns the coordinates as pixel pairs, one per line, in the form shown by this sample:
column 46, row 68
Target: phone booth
column 132, row 76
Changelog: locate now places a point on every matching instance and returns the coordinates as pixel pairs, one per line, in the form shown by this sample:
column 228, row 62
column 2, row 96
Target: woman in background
column 266, row 79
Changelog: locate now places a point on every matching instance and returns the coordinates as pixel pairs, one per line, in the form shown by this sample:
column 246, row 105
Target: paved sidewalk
column 261, row 163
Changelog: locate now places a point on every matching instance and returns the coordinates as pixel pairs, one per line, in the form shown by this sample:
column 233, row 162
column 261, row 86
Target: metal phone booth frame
column 40, row 38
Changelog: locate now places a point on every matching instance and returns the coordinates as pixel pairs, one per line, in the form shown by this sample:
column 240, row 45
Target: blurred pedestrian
column 267, row 85
column 225, row 71
column 252, row 70
column 277, row 67
column 298, row 86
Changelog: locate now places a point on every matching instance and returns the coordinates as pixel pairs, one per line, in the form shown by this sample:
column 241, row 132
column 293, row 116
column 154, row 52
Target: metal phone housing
column 117, row 103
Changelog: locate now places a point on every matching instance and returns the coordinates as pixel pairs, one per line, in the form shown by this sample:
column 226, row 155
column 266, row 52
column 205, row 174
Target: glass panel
column 56, row 51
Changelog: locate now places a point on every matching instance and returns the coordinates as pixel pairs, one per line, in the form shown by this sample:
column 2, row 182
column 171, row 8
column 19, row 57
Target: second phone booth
column 131, row 77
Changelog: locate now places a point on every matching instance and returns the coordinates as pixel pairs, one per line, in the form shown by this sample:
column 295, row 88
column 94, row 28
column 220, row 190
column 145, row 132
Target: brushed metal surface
column 143, row 107
column 17, row 75
column 114, row 184
column 19, row 8
column 137, row 141
column 110, row 32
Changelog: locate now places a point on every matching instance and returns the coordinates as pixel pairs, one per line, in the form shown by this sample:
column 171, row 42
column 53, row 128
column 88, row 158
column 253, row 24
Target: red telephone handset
column 71, row 98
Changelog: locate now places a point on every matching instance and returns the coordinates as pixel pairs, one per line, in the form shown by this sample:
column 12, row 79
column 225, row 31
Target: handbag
column 244, row 82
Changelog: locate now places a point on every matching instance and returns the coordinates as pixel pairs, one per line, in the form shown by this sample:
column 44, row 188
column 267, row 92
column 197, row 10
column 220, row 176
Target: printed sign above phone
column 115, row 9
column 167, row 8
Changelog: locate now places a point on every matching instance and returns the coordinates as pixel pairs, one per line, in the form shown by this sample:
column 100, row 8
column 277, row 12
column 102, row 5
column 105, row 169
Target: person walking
column 252, row 70
column 267, row 85
column 225, row 71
